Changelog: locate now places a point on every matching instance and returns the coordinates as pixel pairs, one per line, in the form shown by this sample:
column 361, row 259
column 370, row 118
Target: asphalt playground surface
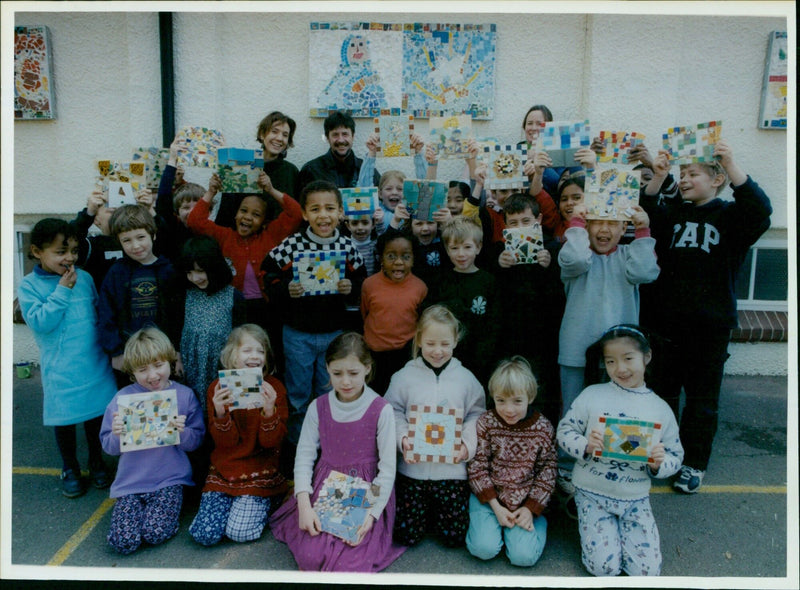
column 731, row 534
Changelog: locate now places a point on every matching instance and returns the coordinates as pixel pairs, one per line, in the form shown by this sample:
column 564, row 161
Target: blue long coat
column 76, row 374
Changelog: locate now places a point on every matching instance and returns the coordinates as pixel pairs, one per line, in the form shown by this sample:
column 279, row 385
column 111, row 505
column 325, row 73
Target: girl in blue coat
column 59, row 304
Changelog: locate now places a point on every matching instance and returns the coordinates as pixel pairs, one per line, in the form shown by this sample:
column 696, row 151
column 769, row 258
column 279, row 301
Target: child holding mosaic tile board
column 352, row 431
column 243, row 479
column 434, row 496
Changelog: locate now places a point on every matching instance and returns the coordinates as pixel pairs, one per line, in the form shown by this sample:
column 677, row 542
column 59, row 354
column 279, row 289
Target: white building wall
column 620, row 71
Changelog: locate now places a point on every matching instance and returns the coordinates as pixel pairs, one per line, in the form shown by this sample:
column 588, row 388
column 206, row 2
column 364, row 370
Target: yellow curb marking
column 725, row 490
column 41, row 471
column 72, row 543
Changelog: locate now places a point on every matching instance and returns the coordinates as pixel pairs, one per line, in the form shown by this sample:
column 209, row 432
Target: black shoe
column 71, row 484
column 100, row 477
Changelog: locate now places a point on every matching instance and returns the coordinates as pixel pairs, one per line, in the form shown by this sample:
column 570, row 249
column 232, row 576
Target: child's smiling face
column 455, row 201
column 185, row 208
column 698, row 185
column 250, row 216
column 360, row 227
column 437, row 343
column 424, row 231
column 511, row 407
column 138, row 245
column 571, row 195
column 397, row 259
column 58, row 256
column 524, row 218
column 322, row 212
column 462, row 254
column 625, row 362
column 392, row 193
column 198, row 277
column 153, row 376
column 604, row 234
column 249, row 354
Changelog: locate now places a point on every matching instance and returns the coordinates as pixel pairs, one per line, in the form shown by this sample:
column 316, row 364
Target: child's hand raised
column 377, row 217
column 146, row 197
column 442, row 215
column 69, row 277
column 344, row 287
column 597, row 145
column 401, row 212
column 473, row 148
column 222, row 397
column 177, row 147
column 661, row 165
column 480, row 173
column 723, row 151
column 586, row 158
column 640, row 153
column 657, row 454
column 264, row 182
column 117, row 424
column 595, row 442
column 95, row 202
column 373, row 144
column 295, row 289
column 579, row 210
column 506, row 259
column 417, row 144
column 543, row 258
column 214, row 185
column 431, row 157
column 640, row 219
column 270, row 396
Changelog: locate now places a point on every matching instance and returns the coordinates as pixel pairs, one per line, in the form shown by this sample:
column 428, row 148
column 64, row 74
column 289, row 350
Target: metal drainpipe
column 167, row 78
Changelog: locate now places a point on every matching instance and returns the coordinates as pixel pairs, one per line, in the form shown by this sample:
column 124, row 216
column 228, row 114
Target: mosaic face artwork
column 434, row 433
column 360, row 200
column 692, row 144
column 561, row 139
column 524, row 242
column 394, row 135
column 616, row 145
column 627, row 439
column 424, row 197
column 610, row 192
column 149, row 420
column 34, row 93
column 319, row 272
column 245, row 386
column 418, row 68
column 155, row 160
column 239, row 169
column 344, row 503
column 505, row 164
column 449, row 135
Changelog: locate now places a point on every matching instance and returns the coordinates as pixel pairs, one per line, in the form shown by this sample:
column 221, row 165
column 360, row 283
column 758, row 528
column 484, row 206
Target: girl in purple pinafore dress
column 353, row 427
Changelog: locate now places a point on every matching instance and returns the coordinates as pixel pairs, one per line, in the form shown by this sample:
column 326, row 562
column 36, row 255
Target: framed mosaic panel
column 616, row 145
column 34, row 90
column 449, row 135
column 360, row 200
column 693, row 143
column 524, row 243
column 343, row 504
column 561, row 139
column 610, row 191
column 202, row 144
column 505, row 164
column 239, row 169
column 424, row 197
column 434, row 433
column 155, row 161
column 394, row 135
column 627, row 439
column 149, row 419
column 245, row 386
column 319, row 272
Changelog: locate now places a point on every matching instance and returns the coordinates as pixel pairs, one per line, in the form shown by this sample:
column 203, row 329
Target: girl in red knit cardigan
column 243, row 478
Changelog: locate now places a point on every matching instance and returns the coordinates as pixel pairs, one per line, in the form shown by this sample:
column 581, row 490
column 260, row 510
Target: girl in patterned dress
column 212, row 308
column 243, row 480
column 352, row 427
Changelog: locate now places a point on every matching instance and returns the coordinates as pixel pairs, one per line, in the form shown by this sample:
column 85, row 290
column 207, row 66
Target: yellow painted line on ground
column 734, row 489
column 41, row 471
column 75, row 540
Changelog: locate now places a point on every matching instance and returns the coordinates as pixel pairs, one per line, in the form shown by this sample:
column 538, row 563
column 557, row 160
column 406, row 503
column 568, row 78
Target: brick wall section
column 761, row 326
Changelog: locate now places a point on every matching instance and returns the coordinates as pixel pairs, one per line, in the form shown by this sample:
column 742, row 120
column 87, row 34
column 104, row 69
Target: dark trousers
column 66, row 439
column 694, row 361
column 387, row 363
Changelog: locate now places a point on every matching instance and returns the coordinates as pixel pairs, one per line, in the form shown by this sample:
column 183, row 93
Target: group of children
column 172, row 296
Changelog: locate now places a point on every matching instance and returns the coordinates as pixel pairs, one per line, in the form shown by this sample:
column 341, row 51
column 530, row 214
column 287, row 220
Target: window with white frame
column 763, row 281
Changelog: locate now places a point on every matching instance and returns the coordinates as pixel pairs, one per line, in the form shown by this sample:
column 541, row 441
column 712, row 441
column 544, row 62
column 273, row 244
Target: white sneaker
column 564, row 481
column 689, row 480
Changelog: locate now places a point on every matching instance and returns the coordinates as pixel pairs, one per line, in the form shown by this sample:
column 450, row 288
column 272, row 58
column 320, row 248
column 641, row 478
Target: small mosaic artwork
column 616, row 145
column 360, row 200
column 202, row 144
column 434, row 433
column 505, row 164
column 424, row 197
column 692, row 144
column 149, row 420
column 239, row 169
column 319, row 272
column 155, row 161
column 524, row 243
column 561, row 139
column 245, row 386
column 34, row 91
column 120, row 181
column 394, row 135
column 611, row 191
column 344, row 503
column 450, row 135
column 627, row 439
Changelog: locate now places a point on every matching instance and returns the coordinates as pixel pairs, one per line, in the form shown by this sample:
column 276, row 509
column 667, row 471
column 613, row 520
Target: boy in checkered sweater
column 311, row 320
